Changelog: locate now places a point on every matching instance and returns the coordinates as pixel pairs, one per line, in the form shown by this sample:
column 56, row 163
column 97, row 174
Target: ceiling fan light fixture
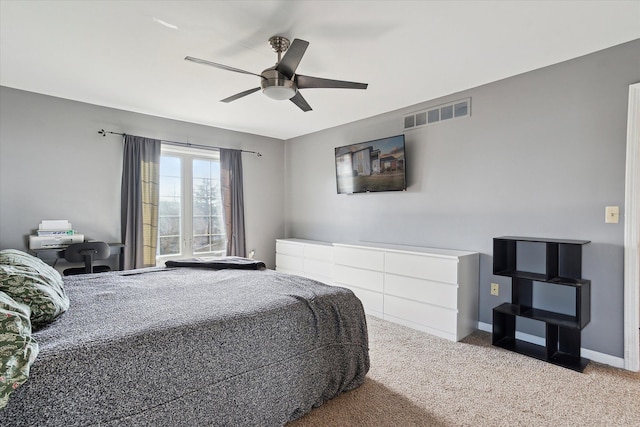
column 277, row 86
column 279, row 93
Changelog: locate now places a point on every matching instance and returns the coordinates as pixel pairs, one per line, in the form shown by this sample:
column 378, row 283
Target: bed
column 192, row 346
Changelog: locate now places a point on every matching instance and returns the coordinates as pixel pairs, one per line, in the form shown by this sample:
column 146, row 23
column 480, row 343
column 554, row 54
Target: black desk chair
column 87, row 252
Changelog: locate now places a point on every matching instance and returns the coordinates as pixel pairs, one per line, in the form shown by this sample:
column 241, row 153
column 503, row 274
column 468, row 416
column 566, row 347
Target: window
column 190, row 221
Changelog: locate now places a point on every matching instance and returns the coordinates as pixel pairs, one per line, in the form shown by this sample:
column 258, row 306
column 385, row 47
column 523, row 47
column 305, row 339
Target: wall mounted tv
column 371, row 166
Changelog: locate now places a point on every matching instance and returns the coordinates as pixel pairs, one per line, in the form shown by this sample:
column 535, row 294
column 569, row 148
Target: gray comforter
column 186, row 347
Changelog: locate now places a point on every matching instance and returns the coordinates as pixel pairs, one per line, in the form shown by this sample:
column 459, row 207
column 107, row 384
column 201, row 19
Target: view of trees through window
column 208, row 224
column 190, row 218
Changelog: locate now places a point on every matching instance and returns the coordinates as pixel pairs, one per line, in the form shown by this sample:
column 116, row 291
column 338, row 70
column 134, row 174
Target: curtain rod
column 178, row 143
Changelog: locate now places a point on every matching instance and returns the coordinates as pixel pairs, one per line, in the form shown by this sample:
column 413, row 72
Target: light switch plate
column 612, row 214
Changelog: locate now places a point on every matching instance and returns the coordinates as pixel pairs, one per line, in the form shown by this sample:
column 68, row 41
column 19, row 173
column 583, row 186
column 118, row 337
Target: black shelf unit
column 563, row 267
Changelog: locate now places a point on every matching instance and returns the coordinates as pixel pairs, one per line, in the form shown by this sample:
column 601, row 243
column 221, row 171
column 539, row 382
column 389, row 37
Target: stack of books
column 54, row 233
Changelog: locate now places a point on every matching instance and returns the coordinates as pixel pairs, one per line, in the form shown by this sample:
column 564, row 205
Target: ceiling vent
column 434, row 115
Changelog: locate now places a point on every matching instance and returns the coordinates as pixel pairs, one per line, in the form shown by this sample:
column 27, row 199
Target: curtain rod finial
column 102, row 132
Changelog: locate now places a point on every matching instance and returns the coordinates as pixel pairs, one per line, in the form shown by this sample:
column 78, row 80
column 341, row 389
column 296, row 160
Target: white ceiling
column 129, row 54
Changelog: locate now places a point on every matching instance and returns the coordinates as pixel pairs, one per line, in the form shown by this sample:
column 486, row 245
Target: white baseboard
column 607, row 359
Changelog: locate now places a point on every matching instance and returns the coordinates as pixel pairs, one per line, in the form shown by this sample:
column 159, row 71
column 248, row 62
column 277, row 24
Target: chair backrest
column 87, row 252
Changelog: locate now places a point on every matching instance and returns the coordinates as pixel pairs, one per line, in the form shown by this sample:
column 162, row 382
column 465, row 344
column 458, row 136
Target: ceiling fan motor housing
column 277, row 86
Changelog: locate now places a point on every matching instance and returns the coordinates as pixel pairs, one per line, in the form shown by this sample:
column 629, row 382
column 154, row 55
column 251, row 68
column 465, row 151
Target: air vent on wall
column 431, row 116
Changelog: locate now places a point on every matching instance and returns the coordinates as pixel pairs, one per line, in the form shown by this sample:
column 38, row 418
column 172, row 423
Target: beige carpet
column 417, row 379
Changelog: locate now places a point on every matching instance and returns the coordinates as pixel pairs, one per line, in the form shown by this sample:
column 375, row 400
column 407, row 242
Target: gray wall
column 54, row 165
column 542, row 154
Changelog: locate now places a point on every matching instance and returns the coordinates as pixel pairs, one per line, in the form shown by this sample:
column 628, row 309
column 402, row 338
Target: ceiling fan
column 281, row 82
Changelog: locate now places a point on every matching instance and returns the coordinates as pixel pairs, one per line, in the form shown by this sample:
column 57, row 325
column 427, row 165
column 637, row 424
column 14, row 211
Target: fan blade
column 301, row 102
column 289, row 62
column 222, row 66
column 240, row 95
column 306, row 82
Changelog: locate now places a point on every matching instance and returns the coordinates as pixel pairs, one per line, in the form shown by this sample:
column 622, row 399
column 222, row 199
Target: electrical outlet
column 495, row 289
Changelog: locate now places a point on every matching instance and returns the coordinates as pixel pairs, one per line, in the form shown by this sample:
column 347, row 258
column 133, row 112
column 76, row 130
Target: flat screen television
column 371, row 166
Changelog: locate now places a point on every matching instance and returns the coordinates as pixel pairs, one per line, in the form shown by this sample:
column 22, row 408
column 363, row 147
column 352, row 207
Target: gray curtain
column 139, row 201
column 233, row 200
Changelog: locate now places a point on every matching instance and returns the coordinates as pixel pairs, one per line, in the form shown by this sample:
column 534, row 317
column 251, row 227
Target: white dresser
column 308, row 258
column 429, row 289
column 432, row 290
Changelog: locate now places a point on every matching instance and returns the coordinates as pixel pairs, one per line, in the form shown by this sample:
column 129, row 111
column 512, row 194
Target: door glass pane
column 201, row 244
column 170, row 206
column 168, row 245
column 200, row 225
column 169, row 226
column 207, row 207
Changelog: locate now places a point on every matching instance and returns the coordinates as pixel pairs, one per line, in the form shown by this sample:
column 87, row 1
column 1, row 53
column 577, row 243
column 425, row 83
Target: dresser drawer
column 289, row 262
column 318, row 268
column 436, row 293
column 371, row 301
column 289, row 248
column 366, row 279
column 360, row 258
column 432, row 316
column 319, row 252
column 425, row 267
